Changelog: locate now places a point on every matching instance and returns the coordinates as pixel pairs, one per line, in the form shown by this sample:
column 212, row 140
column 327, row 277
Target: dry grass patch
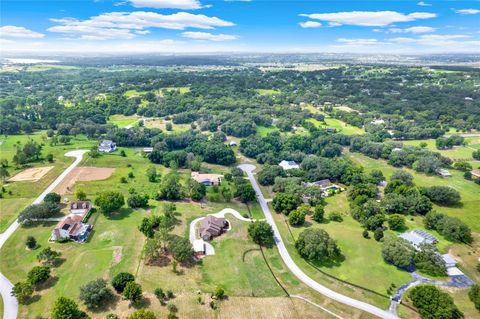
column 31, row 174
column 83, row 174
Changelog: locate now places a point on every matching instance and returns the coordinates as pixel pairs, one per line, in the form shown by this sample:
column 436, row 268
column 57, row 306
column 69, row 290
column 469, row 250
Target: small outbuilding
column 443, row 173
column 233, row 143
column 147, row 150
column 286, row 165
column 449, row 261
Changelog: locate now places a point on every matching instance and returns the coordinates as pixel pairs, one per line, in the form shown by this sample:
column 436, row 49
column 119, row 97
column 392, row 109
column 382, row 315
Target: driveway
column 192, row 236
column 248, row 168
column 10, row 303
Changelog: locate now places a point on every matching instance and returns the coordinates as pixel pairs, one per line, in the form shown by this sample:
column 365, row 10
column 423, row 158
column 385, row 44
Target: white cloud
column 423, row 4
column 209, row 36
column 164, row 4
column 310, row 24
column 437, row 40
column 120, row 25
column 11, row 31
column 368, row 18
column 417, row 29
column 359, row 42
column 468, row 11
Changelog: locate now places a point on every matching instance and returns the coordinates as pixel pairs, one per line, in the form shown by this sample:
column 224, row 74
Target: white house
column 449, row 261
column 377, row 122
column 418, row 237
column 107, row 146
column 286, row 165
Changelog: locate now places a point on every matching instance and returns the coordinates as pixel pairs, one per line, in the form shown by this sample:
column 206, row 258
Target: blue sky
column 123, row 26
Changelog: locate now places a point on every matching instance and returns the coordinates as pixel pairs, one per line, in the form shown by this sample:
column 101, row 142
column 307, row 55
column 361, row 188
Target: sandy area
column 83, row 174
column 31, row 174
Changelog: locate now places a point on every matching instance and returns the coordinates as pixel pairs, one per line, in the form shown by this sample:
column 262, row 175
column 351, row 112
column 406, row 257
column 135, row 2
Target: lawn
column 130, row 93
column 267, row 91
column 122, row 120
column 264, row 130
column 161, row 124
column 23, row 193
column 341, row 126
column 457, row 152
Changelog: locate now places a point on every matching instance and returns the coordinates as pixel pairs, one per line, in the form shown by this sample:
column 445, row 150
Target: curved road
column 10, row 303
column 248, row 168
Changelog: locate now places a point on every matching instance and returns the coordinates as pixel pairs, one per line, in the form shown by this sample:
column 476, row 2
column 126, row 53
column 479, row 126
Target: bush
column 336, row 217
column 159, row 293
column 95, row 293
column 378, row 234
column 120, row 281
column 111, row 316
column 22, row 291
column 297, row 217
column 31, row 242
column 171, row 307
column 170, row 294
column 261, row 233
column 432, row 303
column 67, row 308
column 80, row 195
column 142, row 314
column 365, row 234
column 316, row 244
column 219, row 293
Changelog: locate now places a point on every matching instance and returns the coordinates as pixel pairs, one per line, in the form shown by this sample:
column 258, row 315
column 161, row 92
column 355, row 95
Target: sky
column 198, row 26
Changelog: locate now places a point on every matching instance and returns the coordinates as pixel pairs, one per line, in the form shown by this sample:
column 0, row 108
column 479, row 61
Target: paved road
column 10, row 303
column 248, row 168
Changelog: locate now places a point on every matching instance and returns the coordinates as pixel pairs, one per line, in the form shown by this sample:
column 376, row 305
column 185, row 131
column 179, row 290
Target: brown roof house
column 212, row 226
column 207, row 179
column 475, row 173
column 72, row 226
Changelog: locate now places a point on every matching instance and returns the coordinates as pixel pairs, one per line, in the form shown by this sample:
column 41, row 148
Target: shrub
column 67, row 308
column 219, row 293
column 22, row 291
column 142, row 314
column 378, row 234
column 120, row 281
column 296, row 217
column 171, row 307
column 31, row 242
column 159, row 293
column 38, row 274
column 136, row 200
column 132, row 292
column 336, row 217
column 170, row 294
column 95, row 293
column 365, row 234
column 318, row 213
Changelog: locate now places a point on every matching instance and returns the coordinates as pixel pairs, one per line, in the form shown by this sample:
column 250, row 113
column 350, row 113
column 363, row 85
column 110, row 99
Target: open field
column 457, row 152
column 83, row 174
column 267, row 91
column 180, row 89
column 161, row 124
column 341, row 126
column 122, row 120
column 31, row 174
column 264, row 130
column 23, row 193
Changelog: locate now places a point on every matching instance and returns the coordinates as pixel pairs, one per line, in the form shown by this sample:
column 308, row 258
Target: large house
column 286, row 165
column 73, row 226
column 212, row 226
column 107, row 146
column 418, row 237
column 207, row 179
column 324, row 183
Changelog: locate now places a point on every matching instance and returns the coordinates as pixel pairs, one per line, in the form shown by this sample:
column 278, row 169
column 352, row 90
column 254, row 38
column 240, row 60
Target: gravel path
column 10, row 303
column 248, row 168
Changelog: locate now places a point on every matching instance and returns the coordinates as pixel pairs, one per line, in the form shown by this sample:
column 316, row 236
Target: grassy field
column 161, row 124
column 341, row 126
column 23, row 193
column 267, row 91
column 264, row 130
column 180, row 89
column 456, row 153
column 122, row 120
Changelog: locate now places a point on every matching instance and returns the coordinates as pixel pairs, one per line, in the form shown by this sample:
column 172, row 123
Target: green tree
column 196, row 190
column 429, row 261
column 261, row 233
column 396, row 222
column 146, row 227
column 180, row 248
column 219, row 293
column 474, row 295
column 137, row 200
column 245, row 192
column 432, row 303
column 120, row 280
column 335, row 217
column 316, row 244
column 109, row 201
column 170, row 188
column 48, row 257
column 378, row 234
column 398, row 252
column 297, row 217
column 132, row 292
column 285, row 203
column 152, row 174
column 67, row 308
column 318, row 213
column 95, row 293
column 476, row 155
column 80, row 194
column 443, row 195
column 38, row 274
column 22, row 291
column 4, row 173
column 52, row 198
